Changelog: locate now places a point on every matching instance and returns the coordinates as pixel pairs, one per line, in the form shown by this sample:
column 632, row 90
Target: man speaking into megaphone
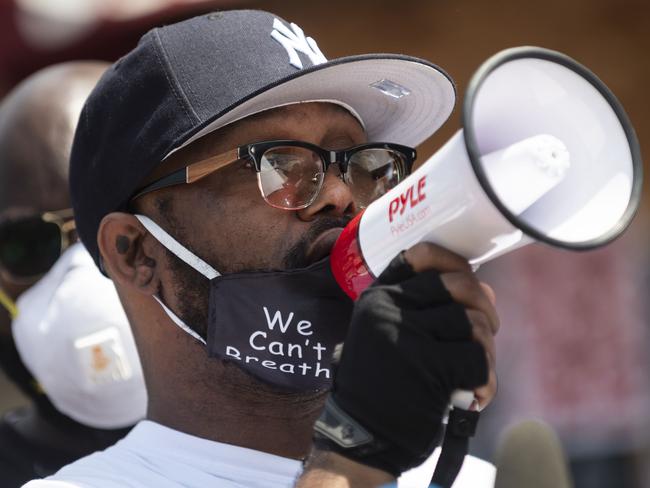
column 228, row 289
column 213, row 169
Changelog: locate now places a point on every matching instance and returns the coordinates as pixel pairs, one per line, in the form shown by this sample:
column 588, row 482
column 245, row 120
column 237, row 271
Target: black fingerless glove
column 408, row 348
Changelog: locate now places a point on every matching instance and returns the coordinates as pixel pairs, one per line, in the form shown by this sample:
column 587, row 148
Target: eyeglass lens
column 29, row 247
column 372, row 173
column 290, row 177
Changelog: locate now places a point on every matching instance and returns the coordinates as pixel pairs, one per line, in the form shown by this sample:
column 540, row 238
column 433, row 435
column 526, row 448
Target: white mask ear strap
column 175, row 247
column 177, row 320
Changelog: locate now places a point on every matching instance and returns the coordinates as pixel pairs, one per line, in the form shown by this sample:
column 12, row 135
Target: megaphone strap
column 460, row 427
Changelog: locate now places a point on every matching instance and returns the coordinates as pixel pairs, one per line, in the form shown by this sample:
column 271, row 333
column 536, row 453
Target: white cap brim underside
column 408, row 119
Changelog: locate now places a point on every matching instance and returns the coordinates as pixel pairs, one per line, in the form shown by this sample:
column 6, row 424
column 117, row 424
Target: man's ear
column 128, row 252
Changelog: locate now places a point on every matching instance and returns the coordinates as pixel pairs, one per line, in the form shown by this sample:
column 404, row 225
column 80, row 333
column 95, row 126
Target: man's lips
column 322, row 245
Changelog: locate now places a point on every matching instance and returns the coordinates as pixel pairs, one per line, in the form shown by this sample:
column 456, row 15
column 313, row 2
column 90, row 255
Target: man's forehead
column 272, row 109
column 299, row 110
column 328, row 114
column 272, row 122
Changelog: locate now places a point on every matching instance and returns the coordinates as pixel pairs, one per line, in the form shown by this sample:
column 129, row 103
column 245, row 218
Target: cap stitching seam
column 174, row 85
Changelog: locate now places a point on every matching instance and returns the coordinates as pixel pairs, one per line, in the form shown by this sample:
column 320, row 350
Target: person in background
column 66, row 343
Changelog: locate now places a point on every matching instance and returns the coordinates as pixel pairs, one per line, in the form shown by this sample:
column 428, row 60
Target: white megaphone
column 547, row 154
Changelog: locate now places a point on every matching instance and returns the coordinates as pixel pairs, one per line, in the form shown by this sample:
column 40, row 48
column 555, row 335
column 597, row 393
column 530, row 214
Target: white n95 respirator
column 73, row 336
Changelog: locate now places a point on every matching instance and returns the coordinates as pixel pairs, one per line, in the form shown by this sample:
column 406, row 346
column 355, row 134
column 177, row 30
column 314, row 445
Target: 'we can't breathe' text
column 301, row 355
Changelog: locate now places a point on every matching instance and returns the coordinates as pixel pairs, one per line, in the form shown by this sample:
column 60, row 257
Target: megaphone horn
column 546, row 154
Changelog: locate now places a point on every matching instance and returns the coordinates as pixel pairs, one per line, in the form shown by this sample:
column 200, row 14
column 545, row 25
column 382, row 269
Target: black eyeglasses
column 290, row 174
column 29, row 246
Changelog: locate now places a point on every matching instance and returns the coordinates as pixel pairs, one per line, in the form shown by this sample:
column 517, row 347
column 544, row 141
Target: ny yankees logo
column 294, row 40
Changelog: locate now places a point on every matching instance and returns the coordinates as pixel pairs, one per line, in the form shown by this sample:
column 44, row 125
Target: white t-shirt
column 152, row 455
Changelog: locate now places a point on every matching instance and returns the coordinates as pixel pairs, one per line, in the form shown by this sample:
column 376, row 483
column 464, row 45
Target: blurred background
column 573, row 346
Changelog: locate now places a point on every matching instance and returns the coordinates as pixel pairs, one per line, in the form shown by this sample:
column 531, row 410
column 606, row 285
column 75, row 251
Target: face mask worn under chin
column 279, row 326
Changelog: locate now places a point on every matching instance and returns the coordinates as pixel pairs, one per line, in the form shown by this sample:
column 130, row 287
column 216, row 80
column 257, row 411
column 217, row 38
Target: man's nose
column 335, row 198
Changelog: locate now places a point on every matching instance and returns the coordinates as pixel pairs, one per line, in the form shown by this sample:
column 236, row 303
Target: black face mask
column 279, row 326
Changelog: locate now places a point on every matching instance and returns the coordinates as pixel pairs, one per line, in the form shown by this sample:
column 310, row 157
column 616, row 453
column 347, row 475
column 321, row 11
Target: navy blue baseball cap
column 187, row 79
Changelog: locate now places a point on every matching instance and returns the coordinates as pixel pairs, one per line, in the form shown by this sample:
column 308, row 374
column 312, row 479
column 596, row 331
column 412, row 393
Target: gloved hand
column 411, row 343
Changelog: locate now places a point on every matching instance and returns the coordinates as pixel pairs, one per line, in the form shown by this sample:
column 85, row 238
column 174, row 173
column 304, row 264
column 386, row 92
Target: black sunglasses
column 30, row 245
column 290, row 173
